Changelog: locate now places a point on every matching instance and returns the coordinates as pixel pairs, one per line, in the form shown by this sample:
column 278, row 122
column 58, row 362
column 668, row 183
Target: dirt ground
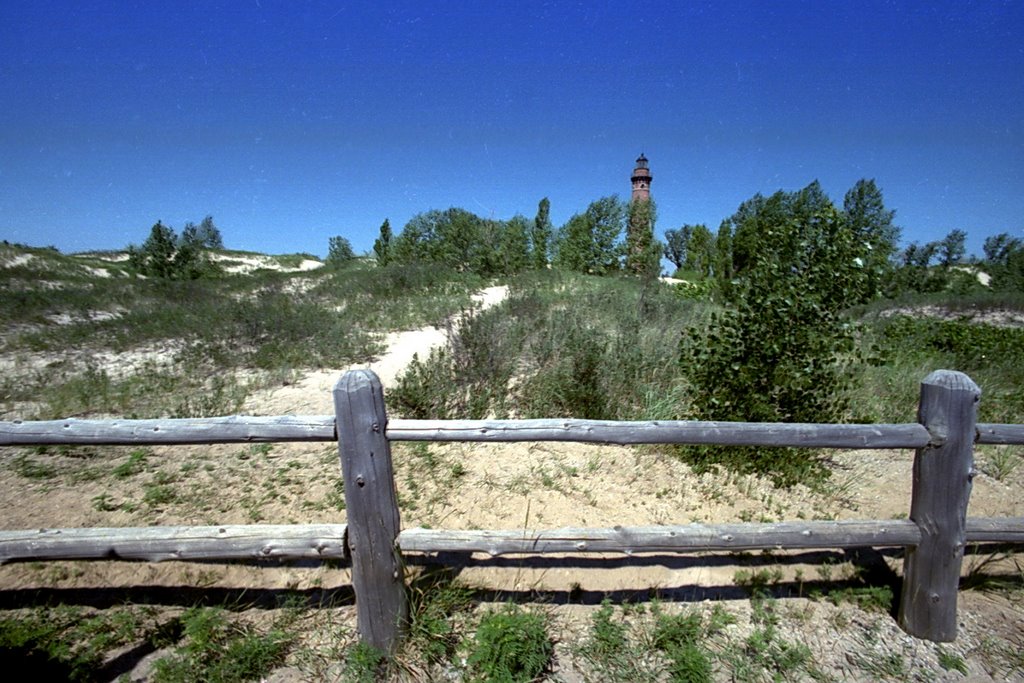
column 515, row 486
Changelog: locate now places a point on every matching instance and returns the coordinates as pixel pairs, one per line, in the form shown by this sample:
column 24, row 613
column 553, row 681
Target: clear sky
column 292, row 121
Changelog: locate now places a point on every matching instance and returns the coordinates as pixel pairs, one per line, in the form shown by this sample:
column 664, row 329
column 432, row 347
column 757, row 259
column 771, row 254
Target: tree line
column 711, row 261
column 610, row 236
column 170, row 256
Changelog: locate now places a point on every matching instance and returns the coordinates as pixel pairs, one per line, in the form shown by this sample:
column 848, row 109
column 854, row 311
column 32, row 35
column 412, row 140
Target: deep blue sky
column 292, row 121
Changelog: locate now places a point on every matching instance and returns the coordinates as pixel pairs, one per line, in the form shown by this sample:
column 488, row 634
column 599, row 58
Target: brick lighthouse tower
column 641, row 180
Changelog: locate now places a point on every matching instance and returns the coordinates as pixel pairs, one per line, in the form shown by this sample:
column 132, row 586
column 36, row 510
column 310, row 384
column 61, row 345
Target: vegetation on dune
column 197, row 341
column 781, row 318
column 166, row 255
column 768, row 327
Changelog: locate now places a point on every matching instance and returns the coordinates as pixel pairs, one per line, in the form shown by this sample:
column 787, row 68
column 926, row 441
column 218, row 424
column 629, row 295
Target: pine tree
column 640, row 236
column 382, row 245
column 540, row 235
column 515, row 246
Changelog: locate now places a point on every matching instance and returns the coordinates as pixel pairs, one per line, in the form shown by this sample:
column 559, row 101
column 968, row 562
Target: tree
column 870, row 222
column 676, row 243
column 208, row 235
column 156, row 257
column 919, row 256
column 1005, row 262
column 514, row 247
column 590, row 242
column 777, row 353
column 997, row 248
column 339, row 251
column 382, row 245
column 606, row 217
column 916, row 274
column 574, row 245
column 700, row 256
column 164, row 256
column 746, row 226
column 540, row 235
column 641, row 215
column 723, row 257
column 455, row 238
column 951, row 249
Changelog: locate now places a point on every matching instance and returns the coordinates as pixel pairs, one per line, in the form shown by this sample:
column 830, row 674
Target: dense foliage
column 780, row 352
column 165, row 255
column 339, row 251
column 462, row 241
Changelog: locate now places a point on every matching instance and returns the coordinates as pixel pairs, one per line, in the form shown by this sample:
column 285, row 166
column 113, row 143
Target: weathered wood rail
column 372, row 541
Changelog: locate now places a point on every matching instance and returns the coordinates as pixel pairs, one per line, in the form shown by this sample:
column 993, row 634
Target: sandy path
column 311, row 395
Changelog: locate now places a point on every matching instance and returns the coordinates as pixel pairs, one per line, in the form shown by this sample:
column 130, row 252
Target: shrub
column 782, row 351
column 164, row 256
column 339, row 251
column 678, row 636
column 217, row 651
column 510, row 645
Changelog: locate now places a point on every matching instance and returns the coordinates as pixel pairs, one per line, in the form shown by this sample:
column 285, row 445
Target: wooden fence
column 934, row 535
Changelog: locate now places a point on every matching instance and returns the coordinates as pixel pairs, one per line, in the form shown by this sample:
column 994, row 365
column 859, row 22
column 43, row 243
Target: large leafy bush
column 781, row 350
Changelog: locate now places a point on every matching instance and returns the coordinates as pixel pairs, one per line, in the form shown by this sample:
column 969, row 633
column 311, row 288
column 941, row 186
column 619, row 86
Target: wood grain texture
column 372, row 508
column 683, row 432
column 158, row 544
column 1009, row 434
column 941, row 490
column 647, row 539
column 206, row 430
column 253, row 542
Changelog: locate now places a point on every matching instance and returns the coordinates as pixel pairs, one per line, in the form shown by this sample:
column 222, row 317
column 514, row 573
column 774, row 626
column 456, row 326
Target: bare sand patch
column 997, row 317
column 248, row 263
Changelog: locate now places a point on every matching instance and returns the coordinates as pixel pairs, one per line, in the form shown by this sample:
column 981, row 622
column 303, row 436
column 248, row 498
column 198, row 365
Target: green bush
column 679, row 637
column 783, row 350
column 217, row 651
column 510, row 645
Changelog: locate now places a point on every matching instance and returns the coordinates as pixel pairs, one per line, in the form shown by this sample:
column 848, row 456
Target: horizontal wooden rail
column 305, row 428
column 205, row 430
column 327, row 541
column 1000, row 434
column 646, row 539
column 697, row 537
column 910, row 435
column 156, row 544
column 312, row 428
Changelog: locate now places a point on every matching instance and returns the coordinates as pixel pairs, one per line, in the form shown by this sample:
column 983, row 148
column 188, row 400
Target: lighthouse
column 641, row 180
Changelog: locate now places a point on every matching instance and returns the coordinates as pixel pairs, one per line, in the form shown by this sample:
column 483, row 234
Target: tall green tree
column 952, row 248
column 591, row 242
column 382, row 245
column 166, row 256
column 723, row 257
column 776, row 354
column 339, row 251
column 208, row 235
column 1004, row 261
column 677, row 241
column 700, row 256
column 872, row 223
column 515, row 246
column 998, row 247
column 641, row 216
column 540, row 235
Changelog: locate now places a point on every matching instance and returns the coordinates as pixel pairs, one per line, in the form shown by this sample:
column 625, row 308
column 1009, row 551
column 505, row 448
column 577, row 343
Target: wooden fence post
column 943, row 471
column 372, row 507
